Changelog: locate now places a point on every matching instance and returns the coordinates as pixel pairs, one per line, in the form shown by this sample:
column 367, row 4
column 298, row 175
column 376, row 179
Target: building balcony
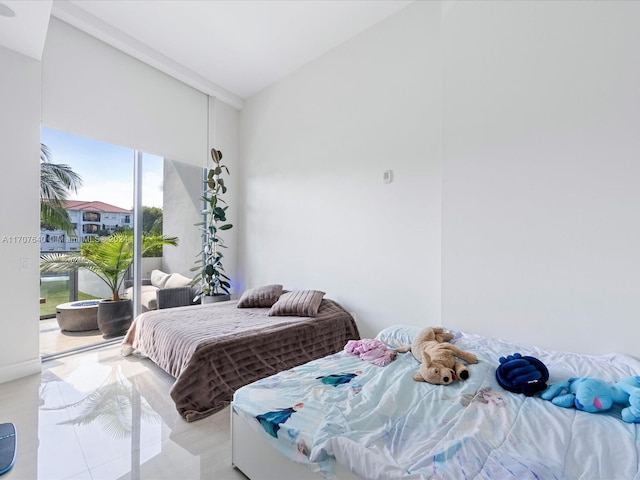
column 91, row 217
column 91, row 228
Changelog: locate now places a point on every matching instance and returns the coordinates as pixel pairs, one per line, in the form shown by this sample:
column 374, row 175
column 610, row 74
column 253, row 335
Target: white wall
column 19, row 187
column 150, row 264
column 541, row 170
column 181, row 205
column 314, row 211
column 533, row 108
column 224, row 137
column 90, row 283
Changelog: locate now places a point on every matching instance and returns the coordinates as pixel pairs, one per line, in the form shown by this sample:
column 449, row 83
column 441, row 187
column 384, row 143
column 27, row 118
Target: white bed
column 377, row 423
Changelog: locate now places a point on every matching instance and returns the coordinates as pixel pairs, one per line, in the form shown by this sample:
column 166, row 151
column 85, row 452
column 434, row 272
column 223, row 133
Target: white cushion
column 147, row 296
column 148, row 299
column 159, row 278
column 176, row 280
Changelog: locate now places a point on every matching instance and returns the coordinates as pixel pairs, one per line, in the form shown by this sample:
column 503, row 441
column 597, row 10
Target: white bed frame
column 260, row 461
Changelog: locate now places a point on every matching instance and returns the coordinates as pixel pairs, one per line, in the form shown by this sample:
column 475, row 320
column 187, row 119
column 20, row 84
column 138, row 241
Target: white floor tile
column 96, row 415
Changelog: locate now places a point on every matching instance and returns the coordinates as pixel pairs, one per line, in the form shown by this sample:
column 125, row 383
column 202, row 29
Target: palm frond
column 45, row 153
column 54, row 216
column 111, row 404
column 56, row 181
column 109, row 258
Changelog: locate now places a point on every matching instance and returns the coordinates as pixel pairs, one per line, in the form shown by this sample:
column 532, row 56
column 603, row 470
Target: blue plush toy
column 522, row 374
column 594, row 395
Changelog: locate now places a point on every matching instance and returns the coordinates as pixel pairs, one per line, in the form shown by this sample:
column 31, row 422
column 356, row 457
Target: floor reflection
column 96, row 415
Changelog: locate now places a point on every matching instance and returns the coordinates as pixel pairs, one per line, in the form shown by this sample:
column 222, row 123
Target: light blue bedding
column 380, row 424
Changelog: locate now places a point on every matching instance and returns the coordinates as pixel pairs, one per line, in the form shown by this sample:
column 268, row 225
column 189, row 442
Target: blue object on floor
column 7, row 446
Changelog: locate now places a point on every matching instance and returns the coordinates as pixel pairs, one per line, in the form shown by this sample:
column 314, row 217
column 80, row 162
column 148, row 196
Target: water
column 86, row 303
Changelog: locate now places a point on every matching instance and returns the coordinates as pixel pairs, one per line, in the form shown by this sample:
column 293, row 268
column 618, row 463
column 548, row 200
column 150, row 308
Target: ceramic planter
column 114, row 318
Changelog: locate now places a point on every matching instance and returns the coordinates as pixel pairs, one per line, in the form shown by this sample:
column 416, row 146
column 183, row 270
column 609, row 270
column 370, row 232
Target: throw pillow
column 159, row 278
column 260, row 297
column 398, row 335
column 176, row 280
column 299, row 303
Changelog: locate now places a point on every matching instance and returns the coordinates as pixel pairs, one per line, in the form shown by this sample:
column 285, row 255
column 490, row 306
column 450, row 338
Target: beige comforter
column 214, row 349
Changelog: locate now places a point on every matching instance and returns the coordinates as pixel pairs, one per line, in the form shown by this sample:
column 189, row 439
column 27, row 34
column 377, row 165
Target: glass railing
column 58, row 288
column 59, row 293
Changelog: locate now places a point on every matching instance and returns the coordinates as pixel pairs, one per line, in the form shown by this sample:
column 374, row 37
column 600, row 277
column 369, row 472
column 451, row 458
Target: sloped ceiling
column 227, row 48
column 26, row 31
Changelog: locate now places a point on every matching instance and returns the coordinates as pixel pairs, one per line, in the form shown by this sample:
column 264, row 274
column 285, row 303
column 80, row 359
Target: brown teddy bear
column 437, row 359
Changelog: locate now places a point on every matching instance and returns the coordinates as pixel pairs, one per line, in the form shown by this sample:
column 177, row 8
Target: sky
column 106, row 169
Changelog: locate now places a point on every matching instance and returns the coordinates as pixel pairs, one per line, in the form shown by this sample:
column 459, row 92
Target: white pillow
column 159, row 278
column 398, row 335
column 176, row 280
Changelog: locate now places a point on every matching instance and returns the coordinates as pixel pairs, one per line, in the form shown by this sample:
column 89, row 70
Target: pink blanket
column 372, row 351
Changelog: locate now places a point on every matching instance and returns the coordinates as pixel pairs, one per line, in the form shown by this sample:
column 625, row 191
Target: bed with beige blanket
column 214, row 349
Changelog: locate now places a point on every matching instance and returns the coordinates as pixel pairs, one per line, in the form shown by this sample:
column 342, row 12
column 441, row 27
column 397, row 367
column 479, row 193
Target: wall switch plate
column 24, row 264
column 387, row 176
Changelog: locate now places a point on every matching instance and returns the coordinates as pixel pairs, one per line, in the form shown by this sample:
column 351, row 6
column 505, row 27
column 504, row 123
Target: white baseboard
column 19, row 370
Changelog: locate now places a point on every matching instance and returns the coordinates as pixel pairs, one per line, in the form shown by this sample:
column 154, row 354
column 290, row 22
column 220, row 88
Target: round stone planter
column 114, row 318
column 78, row 316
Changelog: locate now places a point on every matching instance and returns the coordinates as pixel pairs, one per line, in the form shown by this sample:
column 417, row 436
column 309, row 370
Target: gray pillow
column 260, row 297
column 299, row 303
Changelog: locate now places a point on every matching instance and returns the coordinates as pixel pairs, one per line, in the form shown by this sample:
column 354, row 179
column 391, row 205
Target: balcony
column 59, row 288
column 56, row 289
column 90, row 228
column 91, row 217
column 54, row 341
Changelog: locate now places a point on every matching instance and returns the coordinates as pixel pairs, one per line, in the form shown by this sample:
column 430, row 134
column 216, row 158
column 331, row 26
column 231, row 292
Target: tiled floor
column 96, row 415
column 54, row 341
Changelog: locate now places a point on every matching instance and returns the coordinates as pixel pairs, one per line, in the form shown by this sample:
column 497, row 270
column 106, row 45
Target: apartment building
column 89, row 220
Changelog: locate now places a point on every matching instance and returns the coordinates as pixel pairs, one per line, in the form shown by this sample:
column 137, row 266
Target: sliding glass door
column 97, row 206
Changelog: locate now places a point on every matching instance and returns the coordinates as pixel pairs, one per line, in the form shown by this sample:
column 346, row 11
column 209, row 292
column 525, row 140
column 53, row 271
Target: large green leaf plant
column 108, row 257
column 211, row 278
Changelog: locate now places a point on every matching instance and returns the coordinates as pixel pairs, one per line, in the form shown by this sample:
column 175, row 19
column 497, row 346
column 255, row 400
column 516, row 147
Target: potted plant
column 109, row 258
column 213, row 283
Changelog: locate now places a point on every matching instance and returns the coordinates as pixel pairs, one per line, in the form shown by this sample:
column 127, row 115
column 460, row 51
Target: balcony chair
column 163, row 290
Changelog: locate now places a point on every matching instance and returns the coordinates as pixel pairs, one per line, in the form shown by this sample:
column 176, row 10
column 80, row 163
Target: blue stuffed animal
column 627, row 392
column 594, row 395
column 522, row 374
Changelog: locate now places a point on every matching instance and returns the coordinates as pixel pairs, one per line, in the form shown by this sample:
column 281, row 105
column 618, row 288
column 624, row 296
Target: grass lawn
column 55, row 293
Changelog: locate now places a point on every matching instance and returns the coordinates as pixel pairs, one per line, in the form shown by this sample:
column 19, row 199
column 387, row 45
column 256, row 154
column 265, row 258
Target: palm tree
column 56, row 181
column 109, row 258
